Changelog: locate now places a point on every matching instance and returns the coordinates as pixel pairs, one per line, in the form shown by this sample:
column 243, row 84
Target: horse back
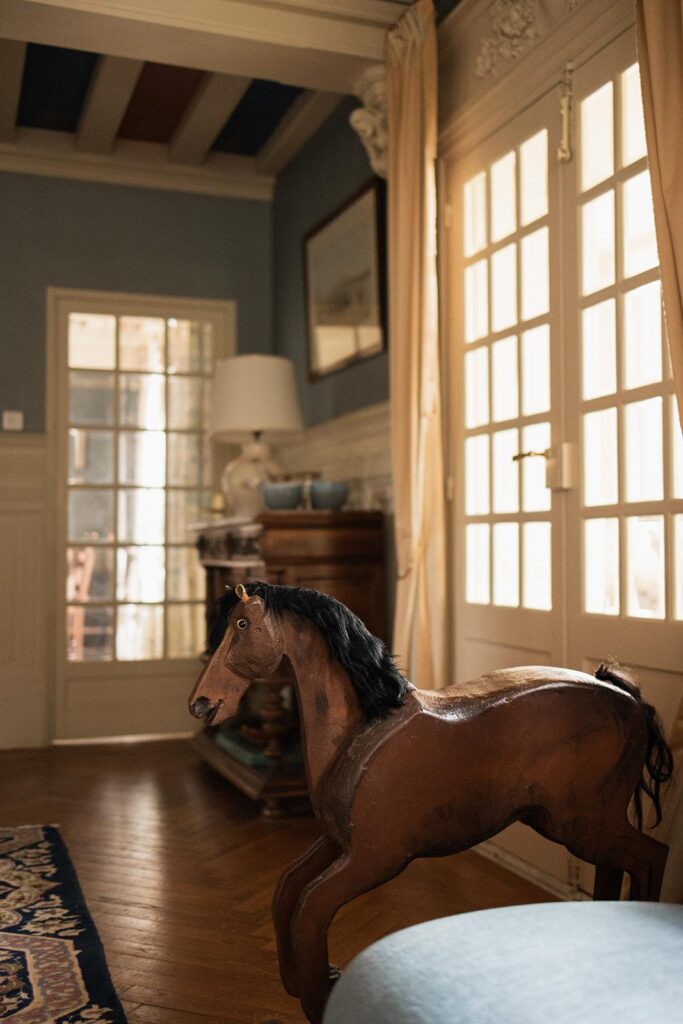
column 500, row 743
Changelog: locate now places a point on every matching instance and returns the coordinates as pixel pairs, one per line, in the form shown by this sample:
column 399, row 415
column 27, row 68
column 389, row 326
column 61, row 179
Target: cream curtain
column 659, row 28
column 419, row 637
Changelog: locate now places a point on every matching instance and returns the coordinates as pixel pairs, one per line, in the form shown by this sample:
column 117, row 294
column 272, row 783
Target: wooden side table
column 339, row 553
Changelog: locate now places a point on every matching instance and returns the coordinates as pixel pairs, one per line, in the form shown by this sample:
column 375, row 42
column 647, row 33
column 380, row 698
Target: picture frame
column 344, row 269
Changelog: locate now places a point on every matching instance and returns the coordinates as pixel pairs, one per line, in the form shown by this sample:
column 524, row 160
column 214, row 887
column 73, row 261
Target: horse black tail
column 659, row 762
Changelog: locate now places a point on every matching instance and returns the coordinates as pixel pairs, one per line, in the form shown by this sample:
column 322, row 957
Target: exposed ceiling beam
column 142, row 164
column 324, row 49
column 302, row 120
column 211, row 107
column 108, row 97
column 12, row 57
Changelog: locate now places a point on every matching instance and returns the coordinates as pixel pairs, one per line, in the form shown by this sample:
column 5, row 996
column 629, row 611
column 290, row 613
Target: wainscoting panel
column 25, row 633
column 354, row 447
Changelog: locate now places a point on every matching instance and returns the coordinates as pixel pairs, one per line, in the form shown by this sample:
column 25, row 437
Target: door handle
column 531, row 455
column 560, row 467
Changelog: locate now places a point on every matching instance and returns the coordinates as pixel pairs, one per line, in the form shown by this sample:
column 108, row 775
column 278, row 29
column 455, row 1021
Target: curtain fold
column 419, row 635
column 659, row 29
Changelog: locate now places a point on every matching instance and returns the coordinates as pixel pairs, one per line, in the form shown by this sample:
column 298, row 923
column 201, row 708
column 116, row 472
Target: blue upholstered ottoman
column 550, row 963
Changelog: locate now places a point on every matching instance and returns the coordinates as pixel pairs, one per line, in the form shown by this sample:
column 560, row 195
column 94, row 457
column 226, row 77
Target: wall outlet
column 12, row 419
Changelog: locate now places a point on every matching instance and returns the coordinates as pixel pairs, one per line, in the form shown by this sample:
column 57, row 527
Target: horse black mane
column 378, row 684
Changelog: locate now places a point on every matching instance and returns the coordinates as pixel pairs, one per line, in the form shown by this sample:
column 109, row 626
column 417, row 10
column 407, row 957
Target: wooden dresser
column 339, row 553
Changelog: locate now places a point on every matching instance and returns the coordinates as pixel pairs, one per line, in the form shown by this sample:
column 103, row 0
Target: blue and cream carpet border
column 52, row 964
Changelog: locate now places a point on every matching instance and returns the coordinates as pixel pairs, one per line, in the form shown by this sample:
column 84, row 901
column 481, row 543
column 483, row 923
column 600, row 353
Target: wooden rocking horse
column 396, row 773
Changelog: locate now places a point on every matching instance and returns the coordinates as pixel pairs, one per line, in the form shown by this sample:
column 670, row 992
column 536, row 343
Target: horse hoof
column 333, row 973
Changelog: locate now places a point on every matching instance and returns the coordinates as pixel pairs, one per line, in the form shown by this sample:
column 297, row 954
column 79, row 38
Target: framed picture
column 344, row 268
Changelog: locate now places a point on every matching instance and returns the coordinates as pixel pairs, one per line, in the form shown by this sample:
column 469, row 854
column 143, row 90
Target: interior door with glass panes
column 625, row 529
column 509, row 524
column 130, row 385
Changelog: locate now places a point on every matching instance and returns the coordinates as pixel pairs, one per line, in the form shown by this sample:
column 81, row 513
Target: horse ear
column 241, row 592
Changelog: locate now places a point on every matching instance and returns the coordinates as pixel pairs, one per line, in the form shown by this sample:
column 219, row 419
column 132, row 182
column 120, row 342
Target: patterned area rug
column 52, row 965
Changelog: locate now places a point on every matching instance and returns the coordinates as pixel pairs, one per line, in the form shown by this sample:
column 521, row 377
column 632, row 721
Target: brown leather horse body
column 431, row 773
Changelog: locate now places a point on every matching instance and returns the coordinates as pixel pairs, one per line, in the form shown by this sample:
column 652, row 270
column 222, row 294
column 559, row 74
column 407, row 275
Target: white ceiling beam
column 141, row 164
column 302, row 120
column 210, row 108
column 108, row 97
column 310, row 48
column 12, row 57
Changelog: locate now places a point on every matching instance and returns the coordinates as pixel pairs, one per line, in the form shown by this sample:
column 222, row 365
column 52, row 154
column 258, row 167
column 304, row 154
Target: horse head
column 251, row 648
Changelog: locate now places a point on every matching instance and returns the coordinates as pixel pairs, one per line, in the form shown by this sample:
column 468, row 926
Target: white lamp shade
column 254, row 393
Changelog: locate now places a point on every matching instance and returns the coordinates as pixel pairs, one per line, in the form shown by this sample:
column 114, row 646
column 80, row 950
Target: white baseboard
column 552, row 885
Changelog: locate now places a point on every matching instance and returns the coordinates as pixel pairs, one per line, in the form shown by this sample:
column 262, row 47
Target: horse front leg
column 349, row 876
column 294, row 879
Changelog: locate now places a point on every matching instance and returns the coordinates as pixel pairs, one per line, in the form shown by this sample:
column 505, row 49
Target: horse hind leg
column 644, row 859
column 627, row 850
column 608, row 881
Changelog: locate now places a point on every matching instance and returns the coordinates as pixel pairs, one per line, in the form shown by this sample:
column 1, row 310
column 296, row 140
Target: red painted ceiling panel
column 161, row 97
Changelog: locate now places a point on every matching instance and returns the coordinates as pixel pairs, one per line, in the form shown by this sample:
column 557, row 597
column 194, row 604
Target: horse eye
column 242, row 623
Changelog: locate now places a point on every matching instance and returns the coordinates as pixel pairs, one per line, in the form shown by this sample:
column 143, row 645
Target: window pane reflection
column 644, row 463
column 645, row 566
column 91, row 398
column 476, row 301
column 91, row 456
column 505, row 380
column 537, row 578
column 503, row 201
column 475, row 214
column 643, row 335
column 140, row 574
column 89, row 633
column 504, row 287
column 141, row 343
column 601, row 566
column 142, row 400
column 598, row 243
column 633, row 145
column 506, row 564
column 597, row 152
column 600, row 480
column 186, row 630
column 534, row 177
column 599, row 376
column 478, row 563
column 640, row 243
column 536, row 370
column 139, row 632
column 505, row 472
column 477, row 387
column 477, row 475
column 141, row 516
column 89, row 574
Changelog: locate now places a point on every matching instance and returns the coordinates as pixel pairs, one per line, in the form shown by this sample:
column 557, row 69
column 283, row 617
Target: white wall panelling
column 25, row 634
column 355, row 448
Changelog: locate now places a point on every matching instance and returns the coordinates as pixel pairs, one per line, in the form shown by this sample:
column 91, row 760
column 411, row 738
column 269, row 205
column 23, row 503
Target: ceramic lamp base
column 242, row 478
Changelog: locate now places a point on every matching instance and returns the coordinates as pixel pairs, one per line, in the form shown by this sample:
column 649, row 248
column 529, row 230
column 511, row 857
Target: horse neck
column 328, row 706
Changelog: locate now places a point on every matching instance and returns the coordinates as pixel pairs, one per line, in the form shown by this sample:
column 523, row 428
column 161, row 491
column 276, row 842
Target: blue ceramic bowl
column 283, row 495
column 328, row 494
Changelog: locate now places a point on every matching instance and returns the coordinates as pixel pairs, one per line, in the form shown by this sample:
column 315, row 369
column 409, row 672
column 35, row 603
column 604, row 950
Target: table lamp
column 252, row 395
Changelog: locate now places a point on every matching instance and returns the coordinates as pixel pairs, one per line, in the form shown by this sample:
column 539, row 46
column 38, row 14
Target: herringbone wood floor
column 178, row 871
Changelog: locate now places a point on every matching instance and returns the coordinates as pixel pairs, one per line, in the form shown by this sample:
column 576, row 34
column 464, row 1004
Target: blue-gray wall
column 75, row 234
column 323, row 175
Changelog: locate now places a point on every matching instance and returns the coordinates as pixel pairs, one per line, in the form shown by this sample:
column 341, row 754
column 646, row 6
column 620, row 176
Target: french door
column 567, row 459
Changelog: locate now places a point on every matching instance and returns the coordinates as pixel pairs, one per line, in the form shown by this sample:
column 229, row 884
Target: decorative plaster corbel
column 370, row 120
